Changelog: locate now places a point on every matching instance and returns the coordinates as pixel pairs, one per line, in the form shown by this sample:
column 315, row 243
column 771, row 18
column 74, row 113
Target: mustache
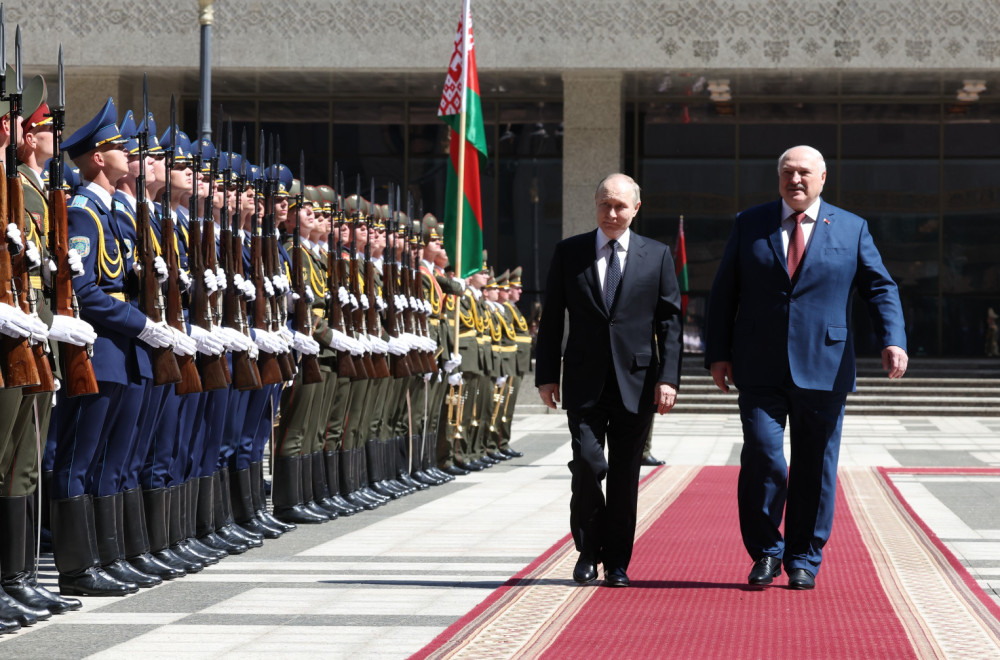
column 796, row 186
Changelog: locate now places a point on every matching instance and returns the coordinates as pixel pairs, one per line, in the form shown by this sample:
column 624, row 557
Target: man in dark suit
column 620, row 364
column 779, row 327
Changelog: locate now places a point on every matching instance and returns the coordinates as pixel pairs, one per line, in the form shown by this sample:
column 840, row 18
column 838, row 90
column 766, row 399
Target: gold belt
column 36, row 282
column 119, row 295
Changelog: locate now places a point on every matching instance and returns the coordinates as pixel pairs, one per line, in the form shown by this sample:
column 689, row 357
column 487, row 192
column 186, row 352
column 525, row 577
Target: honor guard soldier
column 522, row 363
column 506, row 352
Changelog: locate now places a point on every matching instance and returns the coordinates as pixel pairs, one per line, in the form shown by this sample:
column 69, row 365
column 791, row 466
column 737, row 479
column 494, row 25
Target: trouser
column 297, row 409
column 19, row 445
column 333, row 436
column 216, row 407
column 803, row 491
column 605, row 525
column 81, row 430
column 143, row 442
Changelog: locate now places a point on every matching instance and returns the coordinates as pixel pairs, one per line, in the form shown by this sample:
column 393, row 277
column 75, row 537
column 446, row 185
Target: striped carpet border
column 523, row 617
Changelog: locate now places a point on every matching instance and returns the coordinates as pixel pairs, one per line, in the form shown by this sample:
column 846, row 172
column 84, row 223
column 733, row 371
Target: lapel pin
column 826, row 220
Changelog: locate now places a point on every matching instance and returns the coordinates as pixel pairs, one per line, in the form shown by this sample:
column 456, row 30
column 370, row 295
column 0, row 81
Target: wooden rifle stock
column 303, row 324
column 245, row 373
column 77, row 370
column 214, row 315
column 380, row 361
column 18, row 363
column 25, row 294
column 400, row 364
column 165, row 367
column 286, row 362
column 267, row 363
column 334, row 312
column 190, row 382
column 358, row 317
column 211, row 367
column 430, row 364
column 344, row 274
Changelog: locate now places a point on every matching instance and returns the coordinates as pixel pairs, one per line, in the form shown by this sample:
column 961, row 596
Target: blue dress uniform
column 90, row 430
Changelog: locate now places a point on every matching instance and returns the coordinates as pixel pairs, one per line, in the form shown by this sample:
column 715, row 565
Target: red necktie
column 796, row 246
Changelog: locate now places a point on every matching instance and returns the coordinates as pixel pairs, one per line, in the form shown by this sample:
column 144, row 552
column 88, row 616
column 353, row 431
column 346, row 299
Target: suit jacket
column 639, row 338
column 769, row 327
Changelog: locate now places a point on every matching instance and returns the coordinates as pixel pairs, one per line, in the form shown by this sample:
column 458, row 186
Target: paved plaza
column 383, row 584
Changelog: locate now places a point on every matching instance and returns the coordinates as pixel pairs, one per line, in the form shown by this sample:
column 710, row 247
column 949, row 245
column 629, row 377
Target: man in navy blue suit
column 779, row 328
column 620, row 364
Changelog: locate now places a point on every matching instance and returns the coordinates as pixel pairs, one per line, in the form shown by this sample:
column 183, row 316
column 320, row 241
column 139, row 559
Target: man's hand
column 721, row 372
column 550, row 394
column 894, row 360
column 665, row 397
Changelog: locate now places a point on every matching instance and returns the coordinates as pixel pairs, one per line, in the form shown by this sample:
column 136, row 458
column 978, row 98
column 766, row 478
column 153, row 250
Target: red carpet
column 886, row 589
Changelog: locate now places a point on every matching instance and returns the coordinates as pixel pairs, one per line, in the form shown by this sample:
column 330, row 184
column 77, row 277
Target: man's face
column 616, row 206
column 491, row 294
column 42, row 139
column 514, row 293
column 503, row 295
column 361, row 231
column 431, row 250
column 115, row 162
column 280, row 209
column 307, row 221
column 181, row 179
column 801, row 178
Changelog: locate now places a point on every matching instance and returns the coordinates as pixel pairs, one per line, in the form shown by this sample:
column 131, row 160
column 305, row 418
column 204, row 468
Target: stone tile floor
column 384, row 583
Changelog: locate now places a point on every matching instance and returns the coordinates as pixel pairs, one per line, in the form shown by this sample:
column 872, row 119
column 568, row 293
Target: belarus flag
column 462, row 109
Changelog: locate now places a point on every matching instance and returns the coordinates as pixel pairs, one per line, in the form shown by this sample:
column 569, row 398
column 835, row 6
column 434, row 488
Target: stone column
column 592, row 142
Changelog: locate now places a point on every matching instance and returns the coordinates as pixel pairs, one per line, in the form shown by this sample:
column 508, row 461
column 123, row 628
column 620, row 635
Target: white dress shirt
column 788, row 224
column 603, row 252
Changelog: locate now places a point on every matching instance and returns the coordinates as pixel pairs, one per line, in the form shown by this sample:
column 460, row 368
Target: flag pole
column 466, row 15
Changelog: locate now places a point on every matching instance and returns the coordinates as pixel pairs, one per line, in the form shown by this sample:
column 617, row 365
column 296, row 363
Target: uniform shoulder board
column 79, row 202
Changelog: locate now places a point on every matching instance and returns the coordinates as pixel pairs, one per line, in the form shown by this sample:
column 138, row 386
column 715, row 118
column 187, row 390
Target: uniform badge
column 128, row 247
column 81, row 244
column 79, row 202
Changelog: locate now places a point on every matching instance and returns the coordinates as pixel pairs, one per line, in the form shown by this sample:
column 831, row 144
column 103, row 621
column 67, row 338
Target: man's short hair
column 811, row 150
column 636, row 191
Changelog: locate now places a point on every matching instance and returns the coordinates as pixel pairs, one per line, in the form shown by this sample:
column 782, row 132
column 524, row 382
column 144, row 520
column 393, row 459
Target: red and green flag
column 462, row 109
column 681, row 267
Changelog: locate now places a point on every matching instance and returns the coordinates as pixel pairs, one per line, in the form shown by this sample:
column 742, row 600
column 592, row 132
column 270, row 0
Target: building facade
column 695, row 98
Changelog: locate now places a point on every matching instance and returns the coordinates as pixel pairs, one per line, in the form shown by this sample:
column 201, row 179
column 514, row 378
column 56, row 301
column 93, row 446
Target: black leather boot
column 74, row 543
column 259, row 498
column 154, row 501
column 192, row 491
column 13, row 528
column 243, row 511
column 320, row 487
column 308, row 497
column 331, row 462
column 175, row 527
column 137, row 540
column 53, row 602
column 110, row 546
column 250, row 538
column 225, row 530
column 205, row 518
column 286, row 493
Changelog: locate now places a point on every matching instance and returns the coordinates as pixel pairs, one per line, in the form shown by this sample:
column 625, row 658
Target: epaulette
column 79, row 202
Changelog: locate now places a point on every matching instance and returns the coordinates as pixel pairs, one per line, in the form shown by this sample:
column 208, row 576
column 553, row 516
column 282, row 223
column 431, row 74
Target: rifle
column 354, row 283
column 245, row 374
column 406, row 286
column 213, row 373
column 334, row 312
column 303, row 321
column 18, row 366
column 430, row 364
column 210, row 252
column 343, row 276
column 272, row 259
column 267, row 363
column 165, row 367
column 190, row 382
column 77, row 370
column 400, row 364
column 372, row 319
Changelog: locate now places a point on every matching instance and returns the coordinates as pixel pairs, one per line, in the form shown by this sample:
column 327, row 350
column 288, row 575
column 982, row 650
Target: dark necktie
column 796, row 246
column 613, row 276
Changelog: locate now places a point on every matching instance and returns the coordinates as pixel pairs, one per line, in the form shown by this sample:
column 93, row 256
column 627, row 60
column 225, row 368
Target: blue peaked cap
column 102, row 129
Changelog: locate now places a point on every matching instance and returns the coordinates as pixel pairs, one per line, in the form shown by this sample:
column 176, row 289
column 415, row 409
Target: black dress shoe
column 498, row 456
column 513, row 453
column 652, row 461
column 126, row 572
column 94, row 582
column 585, row 570
column 456, row 471
column 440, row 474
column 616, row 577
column 764, row 571
column 470, row 466
column 34, row 595
column 800, row 578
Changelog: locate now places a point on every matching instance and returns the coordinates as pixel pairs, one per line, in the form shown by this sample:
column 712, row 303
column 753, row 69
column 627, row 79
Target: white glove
column 401, row 302
column 310, row 296
column 460, row 282
column 428, row 376
column 455, row 379
column 355, row 347
column 75, row 262
column 380, row 303
column 365, row 343
column 71, row 330
column 378, row 345
column 185, row 279
column 14, row 234
column 340, row 341
column 252, row 350
column 501, row 381
column 14, row 322
column 207, row 342
column 280, row 283
column 344, row 297
column 427, row 307
column 156, row 335
column 211, row 282
column 305, row 344
column 268, row 288
column 287, row 337
column 414, row 305
column 397, row 346
column 235, row 340
column 364, row 303
column 39, row 331
column 220, row 279
column 354, row 301
column 452, row 362
column 264, row 341
column 34, row 258
column 183, row 344
column 161, row 269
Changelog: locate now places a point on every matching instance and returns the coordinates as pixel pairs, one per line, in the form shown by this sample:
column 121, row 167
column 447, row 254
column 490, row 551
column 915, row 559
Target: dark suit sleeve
column 668, row 323
column 548, row 344
column 723, row 303
column 877, row 288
